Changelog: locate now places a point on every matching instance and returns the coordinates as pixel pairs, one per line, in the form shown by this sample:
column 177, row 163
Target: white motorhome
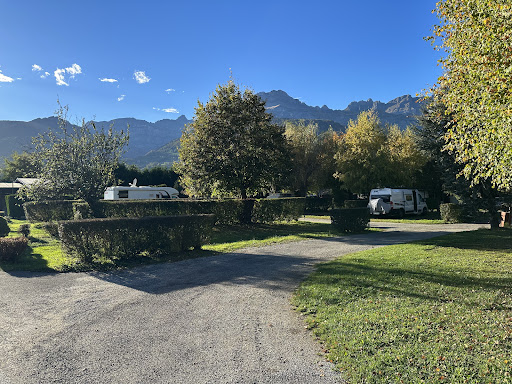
column 389, row 201
column 140, row 193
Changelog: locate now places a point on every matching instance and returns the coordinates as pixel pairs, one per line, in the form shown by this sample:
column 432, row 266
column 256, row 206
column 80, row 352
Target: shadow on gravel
column 261, row 269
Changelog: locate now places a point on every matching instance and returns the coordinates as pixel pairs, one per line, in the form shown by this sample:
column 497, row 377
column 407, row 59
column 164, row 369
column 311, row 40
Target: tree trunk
column 494, row 215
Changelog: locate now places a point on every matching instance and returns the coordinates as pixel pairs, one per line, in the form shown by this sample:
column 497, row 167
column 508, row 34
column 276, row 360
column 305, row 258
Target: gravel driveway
column 220, row 319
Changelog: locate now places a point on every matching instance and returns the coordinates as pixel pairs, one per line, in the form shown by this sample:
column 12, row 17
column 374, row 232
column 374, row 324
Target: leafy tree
column 444, row 173
column 232, row 147
column 159, row 175
column 404, row 157
column 361, row 159
column 372, row 156
column 476, row 87
column 21, row 165
column 77, row 161
column 311, row 156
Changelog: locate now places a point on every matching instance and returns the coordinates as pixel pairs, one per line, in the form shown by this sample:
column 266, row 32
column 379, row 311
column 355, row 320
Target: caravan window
column 408, row 197
column 385, row 198
column 123, row 194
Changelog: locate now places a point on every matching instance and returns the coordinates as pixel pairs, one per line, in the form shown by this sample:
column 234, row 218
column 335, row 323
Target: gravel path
column 220, row 319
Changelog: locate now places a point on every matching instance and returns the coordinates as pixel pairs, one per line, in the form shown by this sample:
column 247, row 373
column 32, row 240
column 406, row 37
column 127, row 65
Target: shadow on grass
column 30, row 261
column 483, row 240
column 403, row 282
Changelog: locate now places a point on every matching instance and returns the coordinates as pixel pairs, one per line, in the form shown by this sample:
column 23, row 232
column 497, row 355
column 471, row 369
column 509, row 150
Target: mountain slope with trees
column 155, row 143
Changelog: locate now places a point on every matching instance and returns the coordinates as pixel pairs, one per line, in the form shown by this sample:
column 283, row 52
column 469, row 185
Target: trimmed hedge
column 11, row 248
column 4, row 227
column 81, row 210
column 14, row 207
column 52, row 228
column 49, row 210
column 226, row 211
column 350, row 219
column 316, row 204
column 355, row 204
column 284, row 209
column 122, row 238
column 456, row 213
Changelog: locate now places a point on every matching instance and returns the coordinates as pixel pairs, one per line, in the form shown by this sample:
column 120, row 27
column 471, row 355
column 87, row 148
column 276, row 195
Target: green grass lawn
column 433, row 311
column 44, row 253
column 429, row 218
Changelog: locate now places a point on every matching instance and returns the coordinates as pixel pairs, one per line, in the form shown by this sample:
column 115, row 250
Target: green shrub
column 355, row 204
column 315, row 204
column 4, row 227
column 52, row 228
column 350, row 219
column 81, row 210
column 24, row 229
column 121, row 238
column 284, row 209
column 49, row 210
column 455, row 213
column 14, row 207
column 226, row 212
column 12, row 248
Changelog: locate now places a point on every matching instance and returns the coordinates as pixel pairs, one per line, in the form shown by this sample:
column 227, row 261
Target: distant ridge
column 144, row 136
column 401, row 110
column 158, row 142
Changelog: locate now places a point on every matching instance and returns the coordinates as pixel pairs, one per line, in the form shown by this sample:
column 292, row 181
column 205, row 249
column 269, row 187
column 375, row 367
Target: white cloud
column 75, row 69
column 140, row 77
column 59, row 76
column 170, row 90
column 167, row 110
column 45, row 75
column 72, row 71
column 105, row 80
column 121, row 98
column 36, row 67
column 5, row 79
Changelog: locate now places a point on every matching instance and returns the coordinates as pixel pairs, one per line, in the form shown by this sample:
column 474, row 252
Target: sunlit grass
column 438, row 310
column 44, row 253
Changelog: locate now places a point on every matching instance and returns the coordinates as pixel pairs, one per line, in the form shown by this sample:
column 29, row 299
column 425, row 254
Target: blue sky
column 157, row 58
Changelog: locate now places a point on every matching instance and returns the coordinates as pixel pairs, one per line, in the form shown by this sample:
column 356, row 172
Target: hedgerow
column 350, row 219
column 12, row 247
column 127, row 237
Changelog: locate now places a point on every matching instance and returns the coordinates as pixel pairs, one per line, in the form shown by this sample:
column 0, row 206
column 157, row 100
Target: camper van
column 140, row 193
column 398, row 202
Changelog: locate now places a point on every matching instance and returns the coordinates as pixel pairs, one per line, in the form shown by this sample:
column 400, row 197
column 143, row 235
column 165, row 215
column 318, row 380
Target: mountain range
column 158, row 142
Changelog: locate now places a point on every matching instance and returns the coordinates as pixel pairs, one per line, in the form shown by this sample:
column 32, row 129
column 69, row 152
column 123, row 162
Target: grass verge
column 429, row 218
column 44, row 253
column 438, row 310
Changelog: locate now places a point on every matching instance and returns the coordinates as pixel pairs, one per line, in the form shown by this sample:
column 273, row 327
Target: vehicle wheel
column 401, row 214
column 425, row 211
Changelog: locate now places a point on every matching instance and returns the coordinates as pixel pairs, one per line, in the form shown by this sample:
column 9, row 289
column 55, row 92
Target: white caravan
column 139, row 193
column 388, row 201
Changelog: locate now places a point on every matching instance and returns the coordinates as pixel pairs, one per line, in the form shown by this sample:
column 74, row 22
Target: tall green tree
column 232, row 147
column 311, row 156
column 371, row 155
column 476, row 86
column 361, row 159
column 78, row 161
column 159, row 175
column 442, row 172
column 22, row 164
